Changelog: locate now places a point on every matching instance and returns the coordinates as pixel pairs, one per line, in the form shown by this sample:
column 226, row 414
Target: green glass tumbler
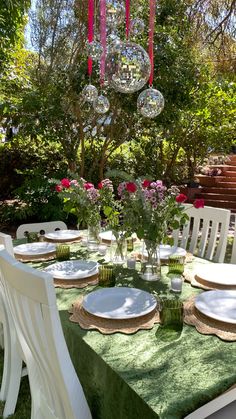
column 176, row 264
column 62, row 252
column 107, row 275
column 171, row 312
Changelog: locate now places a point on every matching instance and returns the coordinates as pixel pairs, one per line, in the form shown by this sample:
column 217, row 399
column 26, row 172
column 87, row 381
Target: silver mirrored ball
column 90, row 93
column 129, row 69
column 101, row 105
column 150, row 103
column 94, row 50
column 137, row 27
column 115, row 13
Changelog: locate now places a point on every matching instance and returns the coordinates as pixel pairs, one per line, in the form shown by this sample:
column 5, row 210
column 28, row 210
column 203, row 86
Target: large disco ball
column 94, row 50
column 89, row 93
column 150, row 103
column 136, row 27
column 115, row 13
column 129, row 69
column 101, row 105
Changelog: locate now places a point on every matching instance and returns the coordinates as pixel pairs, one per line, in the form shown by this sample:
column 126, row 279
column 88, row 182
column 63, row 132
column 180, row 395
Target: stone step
column 232, row 157
column 216, row 197
column 224, row 168
column 217, row 190
column 215, row 180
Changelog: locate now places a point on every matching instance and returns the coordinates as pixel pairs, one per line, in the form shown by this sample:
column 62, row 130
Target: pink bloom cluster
column 106, row 183
column 154, row 193
column 93, row 194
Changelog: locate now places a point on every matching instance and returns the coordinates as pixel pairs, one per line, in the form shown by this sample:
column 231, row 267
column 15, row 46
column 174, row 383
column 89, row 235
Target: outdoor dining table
column 149, row 374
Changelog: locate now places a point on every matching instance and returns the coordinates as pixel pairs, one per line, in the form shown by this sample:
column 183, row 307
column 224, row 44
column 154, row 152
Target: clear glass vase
column 118, row 250
column 150, row 261
column 93, row 236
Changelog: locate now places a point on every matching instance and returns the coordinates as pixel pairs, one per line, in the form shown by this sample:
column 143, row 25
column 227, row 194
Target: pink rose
column 199, row 203
column 65, row 183
column 100, row 185
column 131, row 187
column 88, row 185
column 58, row 188
column 146, row 183
column 181, row 198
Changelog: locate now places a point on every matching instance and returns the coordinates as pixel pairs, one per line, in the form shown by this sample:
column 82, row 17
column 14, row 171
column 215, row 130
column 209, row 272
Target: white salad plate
column 119, row 303
column 218, row 304
column 34, row 249
column 217, row 273
column 166, row 251
column 72, row 269
column 63, row 235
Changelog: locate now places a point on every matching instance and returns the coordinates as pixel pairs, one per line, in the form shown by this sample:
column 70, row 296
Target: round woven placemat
column 206, row 325
column 198, row 282
column 76, row 283
column 107, row 326
column 71, row 241
column 34, row 258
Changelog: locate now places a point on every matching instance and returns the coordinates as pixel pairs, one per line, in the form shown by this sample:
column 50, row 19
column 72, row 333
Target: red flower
column 146, row 183
column 58, row 188
column 65, row 183
column 131, row 187
column 88, row 185
column 181, row 198
column 100, row 185
column 199, row 203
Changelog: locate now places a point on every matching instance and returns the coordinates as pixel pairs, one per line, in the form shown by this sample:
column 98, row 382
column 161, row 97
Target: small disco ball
column 90, row 93
column 137, row 27
column 101, row 105
column 94, row 50
column 150, row 103
column 114, row 43
column 129, row 69
column 115, row 13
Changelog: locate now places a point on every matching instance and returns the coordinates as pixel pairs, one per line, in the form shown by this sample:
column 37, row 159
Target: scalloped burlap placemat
column 206, row 325
column 76, row 283
column 107, row 326
column 60, row 241
column 198, row 282
column 188, row 258
column 35, row 258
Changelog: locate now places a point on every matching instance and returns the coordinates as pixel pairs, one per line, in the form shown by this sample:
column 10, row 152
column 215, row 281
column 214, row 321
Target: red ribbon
column 103, row 39
column 127, row 13
column 90, row 31
column 151, row 38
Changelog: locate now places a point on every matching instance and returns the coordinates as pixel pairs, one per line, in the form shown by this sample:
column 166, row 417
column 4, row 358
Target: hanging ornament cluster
column 124, row 64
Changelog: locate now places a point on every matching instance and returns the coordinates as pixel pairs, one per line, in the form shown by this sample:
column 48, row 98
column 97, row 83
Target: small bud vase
column 93, row 236
column 150, row 261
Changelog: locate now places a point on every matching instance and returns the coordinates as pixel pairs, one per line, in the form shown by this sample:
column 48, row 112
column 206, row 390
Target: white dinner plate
column 63, row 235
column 108, row 236
column 119, row 303
column 166, row 251
column 34, row 249
column 218, row 304
column 218, row 273
column 72, row 269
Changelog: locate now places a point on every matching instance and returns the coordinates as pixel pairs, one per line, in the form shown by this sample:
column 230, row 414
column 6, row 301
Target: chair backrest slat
column 6, row 241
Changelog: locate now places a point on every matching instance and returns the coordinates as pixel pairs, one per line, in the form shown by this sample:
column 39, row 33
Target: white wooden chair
column 55, row 388
column 233, row 254
column 206, row 232
column 12, row 366
column 222, row 407
column 47, row 227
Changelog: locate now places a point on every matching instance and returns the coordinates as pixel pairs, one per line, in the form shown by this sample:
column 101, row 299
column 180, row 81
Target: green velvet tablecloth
column 149, row 374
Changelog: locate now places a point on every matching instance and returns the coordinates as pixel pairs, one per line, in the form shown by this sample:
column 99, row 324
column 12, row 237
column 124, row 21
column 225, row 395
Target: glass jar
column 150, row 261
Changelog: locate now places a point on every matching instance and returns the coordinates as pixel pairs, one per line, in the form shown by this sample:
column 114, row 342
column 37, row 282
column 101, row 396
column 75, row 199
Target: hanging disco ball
column 114, row 43
column 137, row 27
column 101, row 105
column 90, row 93
column 115, row 13
column 150, row 103
column 129, row 69
column 94, row 50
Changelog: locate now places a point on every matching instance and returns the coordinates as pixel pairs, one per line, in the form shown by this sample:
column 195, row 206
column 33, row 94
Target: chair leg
column 14, row 383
